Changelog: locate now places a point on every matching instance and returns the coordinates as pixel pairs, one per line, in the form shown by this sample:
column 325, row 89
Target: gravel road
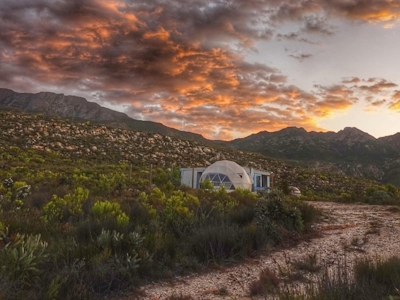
column 347, row 231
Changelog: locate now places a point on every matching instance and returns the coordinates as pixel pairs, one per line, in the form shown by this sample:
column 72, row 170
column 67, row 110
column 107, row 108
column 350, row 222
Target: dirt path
column 347, row 230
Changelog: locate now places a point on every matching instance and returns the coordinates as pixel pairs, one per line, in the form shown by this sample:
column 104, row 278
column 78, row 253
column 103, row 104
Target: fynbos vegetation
column 90, row 210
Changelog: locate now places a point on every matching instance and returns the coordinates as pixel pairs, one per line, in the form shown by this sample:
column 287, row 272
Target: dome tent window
column 218, row 179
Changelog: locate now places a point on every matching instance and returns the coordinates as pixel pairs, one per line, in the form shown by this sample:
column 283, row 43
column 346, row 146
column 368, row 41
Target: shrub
column 206, row 185
column 178, row 213
column 60, row 209
column 144, row 201
column 368, row 280
column 23, row 258
column 243, row 215
column 223, row 202
column 382, row 277
column 118, row 260
column 309, row 213
column 157, row 198
column 218, row 243
column 308, row 264
column 102, row 210
column 267, row 283
column 273, row 210
column 379, row 197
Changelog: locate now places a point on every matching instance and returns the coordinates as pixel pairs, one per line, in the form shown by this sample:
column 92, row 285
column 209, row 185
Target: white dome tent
column 228, row 174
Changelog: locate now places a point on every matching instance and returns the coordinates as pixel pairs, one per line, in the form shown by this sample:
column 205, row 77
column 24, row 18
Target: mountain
column 70, row 140
column 79, row 108
column 350, row 151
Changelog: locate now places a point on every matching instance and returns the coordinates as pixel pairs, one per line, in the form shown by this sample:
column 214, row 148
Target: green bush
column 103, row 210
column 60, row 209
column 206, row 185
column 23, row 258
column 273, row 210
column 379, row 197
column 178, row 215
column 218, row 243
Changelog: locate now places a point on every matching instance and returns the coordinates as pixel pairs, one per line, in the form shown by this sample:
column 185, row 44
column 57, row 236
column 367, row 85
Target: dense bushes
column 86, row 230
column 377, row 195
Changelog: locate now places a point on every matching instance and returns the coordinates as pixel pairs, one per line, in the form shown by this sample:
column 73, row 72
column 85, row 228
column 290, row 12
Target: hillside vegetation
column 349, row 151
column 90, row 210
column 71, row 140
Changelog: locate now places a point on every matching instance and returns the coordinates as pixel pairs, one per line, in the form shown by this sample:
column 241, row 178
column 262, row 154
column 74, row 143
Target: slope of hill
column 77, row 140
column 79, row 108
column 350, row 151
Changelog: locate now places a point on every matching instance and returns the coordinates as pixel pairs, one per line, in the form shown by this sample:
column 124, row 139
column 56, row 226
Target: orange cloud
column 395, row 106
column 176, row 64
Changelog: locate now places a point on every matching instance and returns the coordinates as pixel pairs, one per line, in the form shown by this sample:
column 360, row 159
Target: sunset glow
column 224, row 69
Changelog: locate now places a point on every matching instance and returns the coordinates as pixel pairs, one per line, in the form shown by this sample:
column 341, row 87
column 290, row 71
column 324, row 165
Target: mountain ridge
column 74, row 107
column 350, row 150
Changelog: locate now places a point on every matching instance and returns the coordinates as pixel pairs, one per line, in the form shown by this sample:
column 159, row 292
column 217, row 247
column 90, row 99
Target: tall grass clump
column 368, row 279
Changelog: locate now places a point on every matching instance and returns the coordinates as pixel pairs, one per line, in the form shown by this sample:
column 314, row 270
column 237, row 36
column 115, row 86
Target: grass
column 309, row 264
column 367, row 279
column 267, row 283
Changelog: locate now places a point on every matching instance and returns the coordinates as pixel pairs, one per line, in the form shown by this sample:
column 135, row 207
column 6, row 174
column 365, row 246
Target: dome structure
column 228, row 174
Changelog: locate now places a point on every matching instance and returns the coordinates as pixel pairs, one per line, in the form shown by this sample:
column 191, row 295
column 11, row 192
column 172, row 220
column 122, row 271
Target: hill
column 349, row 151
column 72, row 140
column 78, row 108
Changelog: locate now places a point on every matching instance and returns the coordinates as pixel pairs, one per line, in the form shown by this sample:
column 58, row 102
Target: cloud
column 396, row 95
column 378, row 85
column 395, row 104
column 379, row 102
column 351, row 80
column 179, row 63
column 317, row 25
column 300, row 56
column 375, row 11
column 333, row 98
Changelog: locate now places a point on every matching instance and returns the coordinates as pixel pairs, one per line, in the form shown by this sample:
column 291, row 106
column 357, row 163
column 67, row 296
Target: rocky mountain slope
column 78, row 140
column 79, row 108
column 350, row 151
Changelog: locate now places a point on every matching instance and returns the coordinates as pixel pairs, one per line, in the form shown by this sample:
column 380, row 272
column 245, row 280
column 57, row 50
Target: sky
column 221, row 68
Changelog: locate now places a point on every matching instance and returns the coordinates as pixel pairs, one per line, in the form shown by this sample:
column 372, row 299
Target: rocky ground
column 347, row 232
